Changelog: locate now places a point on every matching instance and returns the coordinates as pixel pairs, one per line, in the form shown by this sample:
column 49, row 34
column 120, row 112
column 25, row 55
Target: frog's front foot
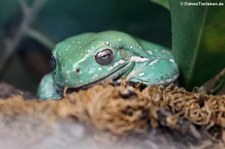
column 47, row 88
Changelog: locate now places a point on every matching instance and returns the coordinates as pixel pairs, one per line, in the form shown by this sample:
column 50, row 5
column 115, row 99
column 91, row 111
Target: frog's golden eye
column 104, row 57
column 52, row 62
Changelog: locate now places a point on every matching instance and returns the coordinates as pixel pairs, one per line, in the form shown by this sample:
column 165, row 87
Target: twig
column 11, row 44
column 40, row 37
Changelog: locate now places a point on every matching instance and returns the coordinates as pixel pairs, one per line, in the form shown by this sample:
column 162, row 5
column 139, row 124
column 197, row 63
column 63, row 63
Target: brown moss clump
column 125, row 109
column 122, row 109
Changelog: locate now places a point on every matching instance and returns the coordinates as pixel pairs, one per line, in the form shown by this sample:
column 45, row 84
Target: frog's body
column 88, row 58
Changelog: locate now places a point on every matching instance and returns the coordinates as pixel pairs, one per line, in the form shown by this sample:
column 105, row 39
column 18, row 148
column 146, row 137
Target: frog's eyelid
column 104, row 48
column 104, row 57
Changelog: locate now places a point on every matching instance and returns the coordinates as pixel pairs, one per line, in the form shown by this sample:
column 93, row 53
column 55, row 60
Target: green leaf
column 198, row 34
column 164, row 3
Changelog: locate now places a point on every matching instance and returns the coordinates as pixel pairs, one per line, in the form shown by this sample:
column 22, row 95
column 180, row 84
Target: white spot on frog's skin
column 68, row 47
column 150, row 52
column 131, row 47
column 95, row 76
column 172, row 60
column 138, row 46
column 78, row 42
column 100, row 69
column 107, row 43
column 164, row 51
column 92, row 70
column 138, row 59
column 169, row 80
column 74, row 67
column 42, row 82
column 153, row 62
column 116, row 64
column 119, row 39
column 60, row 56
column 68, row 74
column 141, row 74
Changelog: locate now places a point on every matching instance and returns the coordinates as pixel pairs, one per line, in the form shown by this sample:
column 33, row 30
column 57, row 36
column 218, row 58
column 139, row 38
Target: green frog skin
column 89, row 58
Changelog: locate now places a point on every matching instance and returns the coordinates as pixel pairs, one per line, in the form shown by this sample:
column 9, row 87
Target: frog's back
column 155, row 50
column 80, row 40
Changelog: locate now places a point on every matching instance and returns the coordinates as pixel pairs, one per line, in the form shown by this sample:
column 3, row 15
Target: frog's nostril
column 77, row 70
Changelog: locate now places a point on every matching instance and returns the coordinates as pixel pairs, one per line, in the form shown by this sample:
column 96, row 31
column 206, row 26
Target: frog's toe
column 158, row 71
column 164, row 71
column 47, row 89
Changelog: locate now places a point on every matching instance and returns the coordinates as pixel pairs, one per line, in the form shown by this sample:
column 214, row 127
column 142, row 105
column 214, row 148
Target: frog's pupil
column 52, row 62
column 104, row 57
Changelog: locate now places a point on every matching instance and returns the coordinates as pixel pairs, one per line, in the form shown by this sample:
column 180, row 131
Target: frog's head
column 89, row 58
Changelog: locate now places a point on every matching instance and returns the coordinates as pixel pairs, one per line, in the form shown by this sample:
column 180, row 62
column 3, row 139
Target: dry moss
column 126, row 110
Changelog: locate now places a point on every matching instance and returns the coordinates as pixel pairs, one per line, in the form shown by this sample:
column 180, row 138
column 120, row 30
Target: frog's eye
column 52, row 62
column 104, row 57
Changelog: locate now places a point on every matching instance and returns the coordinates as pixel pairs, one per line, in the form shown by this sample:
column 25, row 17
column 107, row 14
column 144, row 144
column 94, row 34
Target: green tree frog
column 86, row 59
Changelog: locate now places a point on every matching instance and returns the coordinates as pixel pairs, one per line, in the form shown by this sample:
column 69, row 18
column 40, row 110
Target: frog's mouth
column 112, row 77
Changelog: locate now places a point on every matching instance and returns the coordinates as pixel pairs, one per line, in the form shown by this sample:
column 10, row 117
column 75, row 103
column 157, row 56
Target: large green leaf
column 198, row 34
column 164, row 3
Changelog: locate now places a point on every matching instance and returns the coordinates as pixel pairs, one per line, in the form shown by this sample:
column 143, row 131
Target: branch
column 41, row 37
column 11, row 44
